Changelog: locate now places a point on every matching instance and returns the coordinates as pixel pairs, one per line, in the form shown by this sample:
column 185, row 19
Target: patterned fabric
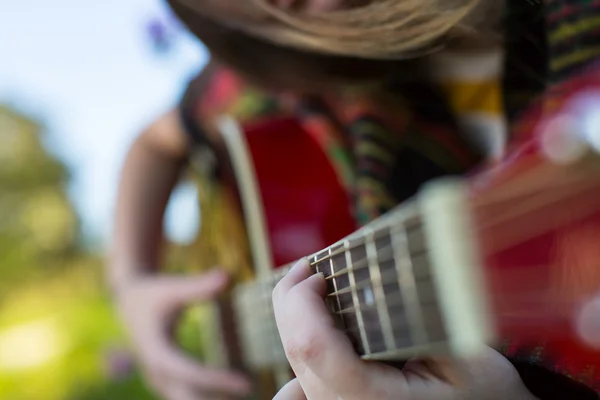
column 573, row 35
column 382, row 153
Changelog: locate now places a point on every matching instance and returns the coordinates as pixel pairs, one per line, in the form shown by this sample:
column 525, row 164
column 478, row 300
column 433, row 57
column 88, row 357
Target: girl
column 358, row 67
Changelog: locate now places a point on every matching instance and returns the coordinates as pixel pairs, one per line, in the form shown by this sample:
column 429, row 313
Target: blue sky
column 87, row 69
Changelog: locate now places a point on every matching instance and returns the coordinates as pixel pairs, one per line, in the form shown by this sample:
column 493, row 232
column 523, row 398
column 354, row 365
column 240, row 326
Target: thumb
column 179, row 291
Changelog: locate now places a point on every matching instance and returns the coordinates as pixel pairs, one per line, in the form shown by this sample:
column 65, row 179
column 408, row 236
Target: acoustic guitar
column 511, row 252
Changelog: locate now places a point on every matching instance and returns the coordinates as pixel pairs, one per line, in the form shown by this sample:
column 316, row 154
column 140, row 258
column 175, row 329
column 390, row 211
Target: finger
column 312, row 341
column 291, row 391
column 178, row 291
column 588, row 323
column 299, row 272
column 190, row 373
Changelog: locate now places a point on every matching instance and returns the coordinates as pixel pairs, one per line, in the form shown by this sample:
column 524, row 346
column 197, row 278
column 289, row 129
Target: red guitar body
column 538, row 224
column 306, row 208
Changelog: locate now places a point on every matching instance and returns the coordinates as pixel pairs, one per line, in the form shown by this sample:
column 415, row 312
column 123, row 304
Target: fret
column 366, row 294
column 330, row 265
column 323, row 263
column 455, row 266
column 364, row 342
column 394, row 299
column 408, row 288
column 339, row 248
column 338, row 306
column 382, row 253
column 380, row 298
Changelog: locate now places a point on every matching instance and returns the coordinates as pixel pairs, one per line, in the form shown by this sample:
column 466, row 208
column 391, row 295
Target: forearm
column 147, row 181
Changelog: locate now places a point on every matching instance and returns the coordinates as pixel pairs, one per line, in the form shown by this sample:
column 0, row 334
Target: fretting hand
column 327, row 368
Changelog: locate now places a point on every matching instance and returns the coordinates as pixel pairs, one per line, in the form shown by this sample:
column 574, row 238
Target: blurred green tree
column 39, row 226
column 58, row 330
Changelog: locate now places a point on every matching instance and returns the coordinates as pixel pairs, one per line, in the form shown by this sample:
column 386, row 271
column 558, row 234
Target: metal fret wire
column 407, row 282
column 380, row 301
column 397, row 299
column 361, row 241
column 356, row 302
column 335, row 289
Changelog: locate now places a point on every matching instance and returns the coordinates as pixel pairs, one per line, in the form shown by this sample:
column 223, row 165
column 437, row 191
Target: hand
column 148, row 306
column 327, row 367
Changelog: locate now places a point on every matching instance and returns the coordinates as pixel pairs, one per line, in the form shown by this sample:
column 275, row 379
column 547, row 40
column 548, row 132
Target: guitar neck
column 384, row 289
column 455, row 269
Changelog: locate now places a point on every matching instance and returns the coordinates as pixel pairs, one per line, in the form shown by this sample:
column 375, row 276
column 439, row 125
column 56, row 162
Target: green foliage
column 59, row 332
column 57, row 324
column 38, row 224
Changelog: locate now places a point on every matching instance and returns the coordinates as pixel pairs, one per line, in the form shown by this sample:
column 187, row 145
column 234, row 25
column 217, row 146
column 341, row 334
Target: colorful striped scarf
column 383, row 150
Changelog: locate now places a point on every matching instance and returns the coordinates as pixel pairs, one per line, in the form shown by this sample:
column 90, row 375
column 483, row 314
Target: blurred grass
column 55, row 339
column 59, row 336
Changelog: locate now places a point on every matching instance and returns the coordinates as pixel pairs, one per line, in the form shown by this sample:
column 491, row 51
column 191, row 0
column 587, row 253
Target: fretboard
column 381, row 290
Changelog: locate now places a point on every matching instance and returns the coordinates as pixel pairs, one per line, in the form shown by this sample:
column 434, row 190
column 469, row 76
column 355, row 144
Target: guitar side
column 293, row 205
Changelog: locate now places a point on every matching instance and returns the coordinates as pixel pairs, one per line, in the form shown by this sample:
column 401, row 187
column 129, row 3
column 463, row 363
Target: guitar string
column 390, row 278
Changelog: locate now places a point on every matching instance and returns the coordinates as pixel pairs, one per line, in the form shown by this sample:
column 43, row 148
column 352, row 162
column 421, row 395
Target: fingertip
column 298, row 273
column 318, row 282
column 301, row 265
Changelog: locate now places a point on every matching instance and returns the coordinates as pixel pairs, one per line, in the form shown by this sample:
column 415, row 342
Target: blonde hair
column 388, row 29
column 374, row 29
column 369, row 42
